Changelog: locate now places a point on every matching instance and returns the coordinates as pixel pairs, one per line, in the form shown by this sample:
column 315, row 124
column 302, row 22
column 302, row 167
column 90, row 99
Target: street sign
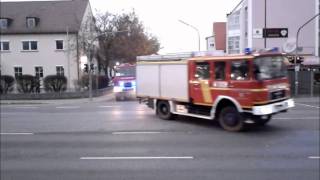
column 275, row 32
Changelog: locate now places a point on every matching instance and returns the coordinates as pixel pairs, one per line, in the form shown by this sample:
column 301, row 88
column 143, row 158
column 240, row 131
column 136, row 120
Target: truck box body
column 163, row 80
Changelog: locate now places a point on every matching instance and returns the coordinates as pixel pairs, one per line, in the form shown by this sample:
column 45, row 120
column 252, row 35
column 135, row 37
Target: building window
column 60, row 70
column 4, row 46
column 59, row 44
column 240, row 70
column 202, row 71
column 17, row 71
column 31, row 22
column 4, row 23
column 220, row 71
column 234, row 21
column 39, row 71
column 234, row 44
column 29, row 45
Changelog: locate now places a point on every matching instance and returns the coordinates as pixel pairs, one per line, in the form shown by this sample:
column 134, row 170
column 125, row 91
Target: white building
column 210, row 41
column 262, row 24
column 45, row 38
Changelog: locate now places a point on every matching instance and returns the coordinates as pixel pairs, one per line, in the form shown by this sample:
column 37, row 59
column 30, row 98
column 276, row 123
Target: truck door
column 219, row 81
column 199, row 83
column 240, row 81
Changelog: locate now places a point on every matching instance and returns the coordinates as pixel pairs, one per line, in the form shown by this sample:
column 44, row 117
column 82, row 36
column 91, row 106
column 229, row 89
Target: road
column 125, row 140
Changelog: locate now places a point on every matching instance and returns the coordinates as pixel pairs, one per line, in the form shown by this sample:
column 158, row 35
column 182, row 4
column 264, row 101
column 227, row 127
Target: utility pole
column 194, row 29
column 90, row 72
column 296, row 66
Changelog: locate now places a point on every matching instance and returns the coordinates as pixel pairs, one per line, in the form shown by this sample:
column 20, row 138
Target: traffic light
column 292, row 58
column 91, row 67
column 300, row 59
column 85, row 69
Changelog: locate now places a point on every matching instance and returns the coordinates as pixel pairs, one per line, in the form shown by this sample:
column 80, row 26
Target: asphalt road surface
column 125, row 140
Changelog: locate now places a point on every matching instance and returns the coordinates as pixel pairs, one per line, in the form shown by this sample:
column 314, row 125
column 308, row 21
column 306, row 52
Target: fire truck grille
column 277, row 94
column 127, row 84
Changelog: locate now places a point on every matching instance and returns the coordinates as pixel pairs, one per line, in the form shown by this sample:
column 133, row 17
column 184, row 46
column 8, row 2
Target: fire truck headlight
column 262, row 110
column 121, row 83
column 117, row 89
column 290, row 103
column 266, row 110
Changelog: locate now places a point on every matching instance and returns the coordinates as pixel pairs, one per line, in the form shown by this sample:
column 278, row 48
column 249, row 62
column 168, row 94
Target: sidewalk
column 306, row 99
column 105, row 97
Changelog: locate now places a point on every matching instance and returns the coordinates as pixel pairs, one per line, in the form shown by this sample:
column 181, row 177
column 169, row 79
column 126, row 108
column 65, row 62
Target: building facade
column 43, row 38
column 261, row 24
column 218, row 40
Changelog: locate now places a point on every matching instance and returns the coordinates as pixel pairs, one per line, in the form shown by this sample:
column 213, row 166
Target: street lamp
column 296, row 67
column 90, row 58
column 183, row 22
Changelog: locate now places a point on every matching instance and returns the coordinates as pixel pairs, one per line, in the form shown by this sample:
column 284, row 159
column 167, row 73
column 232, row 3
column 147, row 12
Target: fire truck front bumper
column 273, row 108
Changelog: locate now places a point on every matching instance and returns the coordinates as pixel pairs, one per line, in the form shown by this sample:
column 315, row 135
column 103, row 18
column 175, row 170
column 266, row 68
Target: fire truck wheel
column 163, row 110
column 262, row 120
column 231, row 120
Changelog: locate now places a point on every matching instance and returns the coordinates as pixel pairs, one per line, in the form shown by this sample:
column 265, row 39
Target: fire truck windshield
column 126, row 72
column 270, row 67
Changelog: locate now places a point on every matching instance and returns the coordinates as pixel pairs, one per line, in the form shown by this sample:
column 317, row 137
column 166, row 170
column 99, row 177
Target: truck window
column 239, row 70
column 126, row 71
column 219, row 70
column 269, row 68
column 202, row 70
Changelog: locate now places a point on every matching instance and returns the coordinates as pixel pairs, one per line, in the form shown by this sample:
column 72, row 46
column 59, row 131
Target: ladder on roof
column 179, row 56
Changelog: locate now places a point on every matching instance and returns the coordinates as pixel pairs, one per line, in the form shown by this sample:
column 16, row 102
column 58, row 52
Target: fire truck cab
column 124, row 81
column 234, row 90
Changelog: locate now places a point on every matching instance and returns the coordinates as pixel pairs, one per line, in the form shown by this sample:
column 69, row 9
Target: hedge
column 6, row 84
column 55, row 83
column 28, row 83
column 103, row 81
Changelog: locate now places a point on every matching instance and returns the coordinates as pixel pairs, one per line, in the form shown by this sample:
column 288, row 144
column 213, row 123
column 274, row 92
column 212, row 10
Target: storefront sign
column 275, row 33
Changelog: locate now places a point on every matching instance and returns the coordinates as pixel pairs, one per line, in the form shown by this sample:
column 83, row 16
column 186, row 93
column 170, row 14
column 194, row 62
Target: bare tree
column 124, row 38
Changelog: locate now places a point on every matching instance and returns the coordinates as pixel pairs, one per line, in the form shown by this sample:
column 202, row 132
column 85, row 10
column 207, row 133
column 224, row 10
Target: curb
column 106, row 97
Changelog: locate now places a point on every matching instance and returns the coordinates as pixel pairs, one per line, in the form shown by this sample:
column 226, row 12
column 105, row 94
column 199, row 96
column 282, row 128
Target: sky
column 161, row 19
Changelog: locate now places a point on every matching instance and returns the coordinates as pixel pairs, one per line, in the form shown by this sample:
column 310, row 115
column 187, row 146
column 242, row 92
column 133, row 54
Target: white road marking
column 296, row 118
column 27, row 107
column 3, row 113
column 308, row 105
column 137, row 158
column 314, row 157
column 12, row 133
column 108, row 106
column 67, row 107
column 142, row 132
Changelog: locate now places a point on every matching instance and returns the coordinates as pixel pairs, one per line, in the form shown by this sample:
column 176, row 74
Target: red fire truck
column 233, row 89
column 124, row 81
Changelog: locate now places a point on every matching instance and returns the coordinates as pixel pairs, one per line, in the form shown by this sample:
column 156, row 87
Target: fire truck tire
column 163, row 110
column 231, row 120
column 262, row 120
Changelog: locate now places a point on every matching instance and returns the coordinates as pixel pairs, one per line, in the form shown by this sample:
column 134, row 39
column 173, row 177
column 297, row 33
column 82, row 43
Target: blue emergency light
column 274, row 49
column 247, row 51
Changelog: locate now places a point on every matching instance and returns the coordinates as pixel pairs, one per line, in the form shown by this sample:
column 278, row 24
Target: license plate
column 282, row 105
column 128, row 89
